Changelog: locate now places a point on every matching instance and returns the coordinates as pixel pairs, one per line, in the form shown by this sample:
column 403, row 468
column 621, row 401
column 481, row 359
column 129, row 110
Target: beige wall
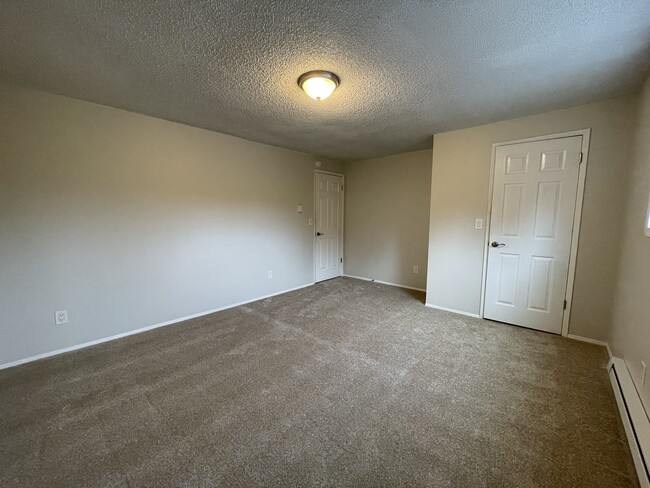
column 459, row 195
column 630, row 337
column 128, row 221
column 387, row 218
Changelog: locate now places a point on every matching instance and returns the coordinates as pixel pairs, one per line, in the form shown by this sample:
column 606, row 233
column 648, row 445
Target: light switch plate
column 299, row 208
column 478, row 224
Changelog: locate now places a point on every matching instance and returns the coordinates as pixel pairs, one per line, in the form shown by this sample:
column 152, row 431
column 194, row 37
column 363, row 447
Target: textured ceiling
column 408, row 69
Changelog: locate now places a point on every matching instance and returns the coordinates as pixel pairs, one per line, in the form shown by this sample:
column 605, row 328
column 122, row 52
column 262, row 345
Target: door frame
column 313, row 229
column 577, row 217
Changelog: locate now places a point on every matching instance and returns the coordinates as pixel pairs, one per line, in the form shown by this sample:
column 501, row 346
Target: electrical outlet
column 60, row 317
column 416, row 269
column 270, row 274
column 478, row 224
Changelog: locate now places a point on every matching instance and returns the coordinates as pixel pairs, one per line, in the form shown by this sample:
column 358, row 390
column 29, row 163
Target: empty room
column 369, row 243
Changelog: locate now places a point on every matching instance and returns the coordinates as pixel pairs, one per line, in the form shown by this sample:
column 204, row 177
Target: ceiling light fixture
column 319, row 84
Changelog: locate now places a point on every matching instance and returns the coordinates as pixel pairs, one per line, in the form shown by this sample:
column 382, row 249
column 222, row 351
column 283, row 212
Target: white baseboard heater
column 635, row 419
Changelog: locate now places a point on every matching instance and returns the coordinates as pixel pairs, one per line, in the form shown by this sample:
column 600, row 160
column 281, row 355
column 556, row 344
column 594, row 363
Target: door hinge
column 564, row 305
column 580, row 160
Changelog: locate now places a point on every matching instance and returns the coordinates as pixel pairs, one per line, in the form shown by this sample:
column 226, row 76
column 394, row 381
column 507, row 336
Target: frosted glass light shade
column 319, row 84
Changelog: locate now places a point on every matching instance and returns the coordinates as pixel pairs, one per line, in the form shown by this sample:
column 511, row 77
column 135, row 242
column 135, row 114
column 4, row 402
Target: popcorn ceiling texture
column 408, row 69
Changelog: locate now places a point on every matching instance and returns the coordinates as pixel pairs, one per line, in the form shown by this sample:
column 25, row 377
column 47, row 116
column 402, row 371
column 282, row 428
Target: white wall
column 459, row 195
column 128, row 221
column 630, row 336
column 387, row 218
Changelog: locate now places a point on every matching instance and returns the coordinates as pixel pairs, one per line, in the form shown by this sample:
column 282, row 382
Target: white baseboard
column 384, row 282
column 592, row 341
column 634, row 417
column 142, row 329
column 452, row 310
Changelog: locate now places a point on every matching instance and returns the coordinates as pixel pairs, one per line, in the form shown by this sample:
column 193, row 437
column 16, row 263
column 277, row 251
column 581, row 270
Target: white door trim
column 575, row 235
column 313, row 229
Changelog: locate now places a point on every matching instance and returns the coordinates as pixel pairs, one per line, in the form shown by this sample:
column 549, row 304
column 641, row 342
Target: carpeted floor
column 346, row 383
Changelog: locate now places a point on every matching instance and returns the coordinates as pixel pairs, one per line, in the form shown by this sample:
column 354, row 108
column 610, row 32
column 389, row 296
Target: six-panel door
column 329, row 226
column 533, row 206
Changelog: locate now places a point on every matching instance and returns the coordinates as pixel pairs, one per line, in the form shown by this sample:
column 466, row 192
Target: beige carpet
column 346, row 383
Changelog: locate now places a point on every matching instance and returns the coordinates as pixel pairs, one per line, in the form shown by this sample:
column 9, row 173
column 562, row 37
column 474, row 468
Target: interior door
column 533, row 206
column 328, row 226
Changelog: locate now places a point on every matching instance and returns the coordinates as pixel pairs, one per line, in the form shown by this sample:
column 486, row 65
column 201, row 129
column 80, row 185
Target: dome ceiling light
column 319, row 84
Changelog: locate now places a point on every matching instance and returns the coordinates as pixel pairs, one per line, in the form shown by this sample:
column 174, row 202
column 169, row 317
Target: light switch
column 299, row 208
column 311, row 221
column 478, row 224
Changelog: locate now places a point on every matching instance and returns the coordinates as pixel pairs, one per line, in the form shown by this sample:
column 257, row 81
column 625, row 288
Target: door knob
column 497, row 244
column 319, row 234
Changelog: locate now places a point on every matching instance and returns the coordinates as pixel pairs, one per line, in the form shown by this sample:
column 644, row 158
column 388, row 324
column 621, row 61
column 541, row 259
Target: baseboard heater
column 635, row 419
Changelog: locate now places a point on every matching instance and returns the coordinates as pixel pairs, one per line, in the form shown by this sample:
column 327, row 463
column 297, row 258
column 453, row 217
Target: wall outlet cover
column 60, row 317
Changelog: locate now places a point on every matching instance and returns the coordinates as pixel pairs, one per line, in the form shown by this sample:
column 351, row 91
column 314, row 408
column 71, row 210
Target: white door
column 328, row 226
column 533, row 206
